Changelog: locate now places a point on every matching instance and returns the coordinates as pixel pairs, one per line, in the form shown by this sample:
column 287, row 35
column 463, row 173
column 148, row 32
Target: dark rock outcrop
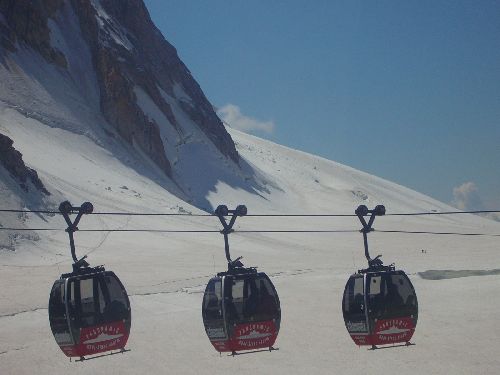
column 26, row 21
column 128, row 54
column 12, row 161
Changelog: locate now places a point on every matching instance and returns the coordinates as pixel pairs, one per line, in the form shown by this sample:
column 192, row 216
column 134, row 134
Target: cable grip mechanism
column 66, row 209
column 222, row 212
column 361, row 212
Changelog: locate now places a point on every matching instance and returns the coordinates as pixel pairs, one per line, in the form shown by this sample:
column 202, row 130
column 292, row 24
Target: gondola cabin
column 89, row 312
column 380, row 304
column 241, row 311
column 240, row 308
column 380, row 308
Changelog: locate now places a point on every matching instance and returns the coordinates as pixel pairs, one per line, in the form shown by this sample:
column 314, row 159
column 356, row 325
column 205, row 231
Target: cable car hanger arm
column 361, row 212
column 65, row 208
column 222, row 211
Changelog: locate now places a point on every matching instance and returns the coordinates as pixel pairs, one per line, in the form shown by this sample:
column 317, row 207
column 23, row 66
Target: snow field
column 53, row 116
column 165, row 274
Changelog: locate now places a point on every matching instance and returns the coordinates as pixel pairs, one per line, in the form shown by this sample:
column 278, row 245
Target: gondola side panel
column 221, row 346
column 359, row 332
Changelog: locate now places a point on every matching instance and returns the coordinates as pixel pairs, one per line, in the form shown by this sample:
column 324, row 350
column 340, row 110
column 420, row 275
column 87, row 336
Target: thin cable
column 301, row 215
column 113, row 230
column 444, row 213
column 253, row 231
column 395, row 214
column 255, row 215
column 148, row 214
column 217, row 231
column 109, row 213
column 149, row 230
column 438, row 233
column 179, row 214
column 183, row 231
column 32, row 229
column 297, row 231
column 30, row 211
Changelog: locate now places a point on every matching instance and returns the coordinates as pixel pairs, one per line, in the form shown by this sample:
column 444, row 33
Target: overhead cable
column 255, row 215
column 438, row 233
column 252, row 231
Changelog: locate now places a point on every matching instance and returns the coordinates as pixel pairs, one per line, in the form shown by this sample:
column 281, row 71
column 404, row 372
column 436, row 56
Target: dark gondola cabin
column 241, row 309
column 89, row 313
column 380, row 304
column 380, row 308
column 89, row 309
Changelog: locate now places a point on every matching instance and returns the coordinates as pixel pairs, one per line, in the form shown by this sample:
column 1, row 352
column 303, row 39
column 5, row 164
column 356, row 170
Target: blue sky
column 406, row 90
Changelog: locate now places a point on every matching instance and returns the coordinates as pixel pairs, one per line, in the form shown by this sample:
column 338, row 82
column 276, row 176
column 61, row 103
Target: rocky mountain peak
column 145, row 92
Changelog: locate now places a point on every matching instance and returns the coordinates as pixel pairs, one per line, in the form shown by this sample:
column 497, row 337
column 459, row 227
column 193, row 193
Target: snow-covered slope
column 101, row 68
column 82, row 97
column 165, row 274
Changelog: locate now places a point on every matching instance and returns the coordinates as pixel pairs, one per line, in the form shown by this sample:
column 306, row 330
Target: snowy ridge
column 341, row 187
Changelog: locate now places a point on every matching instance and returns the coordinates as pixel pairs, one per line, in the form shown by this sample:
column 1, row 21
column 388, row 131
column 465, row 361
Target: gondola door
column 59, row 318
column 354, row 310
column 102, row 321
column 252, row 312
column 392, row 313
column 213, row 315
column 97, row 314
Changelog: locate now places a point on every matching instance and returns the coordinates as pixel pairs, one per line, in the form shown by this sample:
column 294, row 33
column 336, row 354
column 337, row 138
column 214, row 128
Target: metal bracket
column 221, row 212
column 361, row 212
column 66, row 209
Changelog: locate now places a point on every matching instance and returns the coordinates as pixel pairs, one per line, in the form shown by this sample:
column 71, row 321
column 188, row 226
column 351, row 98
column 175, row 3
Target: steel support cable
column 178, row 214
column 113, row 230
column 109, row 213
column 394, row 214
column 183, row 231
column 438, row 233
column 444, row 213
column 30, row 211
column 254, row 231
column 253, row 215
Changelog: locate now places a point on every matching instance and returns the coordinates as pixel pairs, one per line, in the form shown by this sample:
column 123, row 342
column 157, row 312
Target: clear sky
column 406, row 90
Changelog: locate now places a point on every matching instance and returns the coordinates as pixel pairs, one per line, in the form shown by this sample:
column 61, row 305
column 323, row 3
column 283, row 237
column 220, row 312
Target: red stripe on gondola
column 99, row 339
column 249, row 336
column 386, row 332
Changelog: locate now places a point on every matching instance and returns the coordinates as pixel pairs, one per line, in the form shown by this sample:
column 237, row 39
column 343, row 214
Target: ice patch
column 452, row 274
column 169, row 135
column 180, row 94
column 115, row 31
column 56, row 39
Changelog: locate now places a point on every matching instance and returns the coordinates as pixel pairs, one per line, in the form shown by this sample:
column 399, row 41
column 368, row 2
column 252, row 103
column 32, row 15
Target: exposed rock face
column 26, row 21
column 129, row 55
column 12, row 161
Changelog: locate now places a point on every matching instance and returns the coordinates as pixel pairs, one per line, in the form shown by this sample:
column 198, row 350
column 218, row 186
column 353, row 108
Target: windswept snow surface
column 165, row 274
